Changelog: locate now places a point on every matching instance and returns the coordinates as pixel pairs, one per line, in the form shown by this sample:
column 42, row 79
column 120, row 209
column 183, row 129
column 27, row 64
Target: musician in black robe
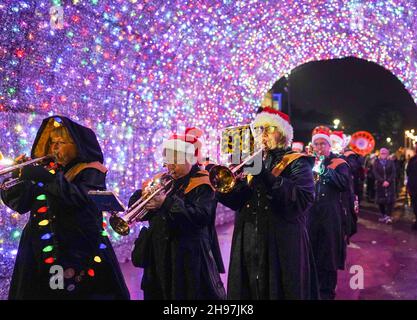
column 326, row 229
column 179, row 251
column 64, row 229
column 271, row 256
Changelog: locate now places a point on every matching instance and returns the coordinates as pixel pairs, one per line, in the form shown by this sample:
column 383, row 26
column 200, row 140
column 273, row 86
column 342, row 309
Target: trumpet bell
column 119, row 225
column 222, row 179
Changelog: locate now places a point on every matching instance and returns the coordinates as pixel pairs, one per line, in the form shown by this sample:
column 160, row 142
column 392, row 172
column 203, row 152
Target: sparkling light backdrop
column 133, row 69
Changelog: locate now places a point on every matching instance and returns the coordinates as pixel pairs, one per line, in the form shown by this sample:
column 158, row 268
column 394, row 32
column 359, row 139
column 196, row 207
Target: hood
column 85, row 139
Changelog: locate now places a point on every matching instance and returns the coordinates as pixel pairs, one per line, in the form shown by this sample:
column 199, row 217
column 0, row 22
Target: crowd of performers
column 293, row 220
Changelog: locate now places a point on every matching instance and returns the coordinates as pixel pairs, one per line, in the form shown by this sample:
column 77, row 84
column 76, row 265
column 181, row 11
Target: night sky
column 362, row 94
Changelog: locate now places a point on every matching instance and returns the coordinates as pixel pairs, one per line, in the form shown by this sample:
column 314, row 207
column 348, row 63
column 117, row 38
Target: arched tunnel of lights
column 135, row 70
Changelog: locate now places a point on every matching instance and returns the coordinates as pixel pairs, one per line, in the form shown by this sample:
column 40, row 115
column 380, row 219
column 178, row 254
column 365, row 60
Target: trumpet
column 11, row 182
column 224, row 179
column 317, row 168
column 137, row 211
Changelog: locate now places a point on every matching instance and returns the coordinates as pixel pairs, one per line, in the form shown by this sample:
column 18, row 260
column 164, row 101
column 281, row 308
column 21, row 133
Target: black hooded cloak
column 65, row 227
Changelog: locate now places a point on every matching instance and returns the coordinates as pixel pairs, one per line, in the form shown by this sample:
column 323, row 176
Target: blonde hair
column 283, row 141
column 61, row 132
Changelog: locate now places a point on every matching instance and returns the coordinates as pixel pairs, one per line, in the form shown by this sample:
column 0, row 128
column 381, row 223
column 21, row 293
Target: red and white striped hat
column 188, row 143
column 270, row 117
column 321, row 132
column 337, row 137
column 297, row 146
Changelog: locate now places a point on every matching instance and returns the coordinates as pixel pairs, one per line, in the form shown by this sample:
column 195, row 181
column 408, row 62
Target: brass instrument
column 11, row 182
column 224, row 179
column 317, row 167
column 137, row 211
column 362, row 143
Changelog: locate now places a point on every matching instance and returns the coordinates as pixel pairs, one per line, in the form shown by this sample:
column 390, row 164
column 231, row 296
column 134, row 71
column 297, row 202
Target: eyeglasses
column 59, row 143
column 321, row 144
column 262, row 130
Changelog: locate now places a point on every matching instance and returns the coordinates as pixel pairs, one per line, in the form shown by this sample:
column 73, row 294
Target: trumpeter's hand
column 156, row 202
column 319, row 167
column 22, row 158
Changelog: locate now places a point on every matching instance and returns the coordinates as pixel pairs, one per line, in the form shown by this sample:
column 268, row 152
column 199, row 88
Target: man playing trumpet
column 325, row 223
column 180, row 252
column 64, row 231
column 271, row 257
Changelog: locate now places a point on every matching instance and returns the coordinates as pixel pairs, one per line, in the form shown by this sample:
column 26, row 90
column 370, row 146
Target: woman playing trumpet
column 64, row 235
column 179, row 252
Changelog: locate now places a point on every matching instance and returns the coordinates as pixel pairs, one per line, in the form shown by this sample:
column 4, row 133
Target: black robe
column 412, row 176
column 326, row 217
column 74, row 237
column 181, row 256
column 271, row 256
column 355, row 163
column 350, row 216
column 384, row 195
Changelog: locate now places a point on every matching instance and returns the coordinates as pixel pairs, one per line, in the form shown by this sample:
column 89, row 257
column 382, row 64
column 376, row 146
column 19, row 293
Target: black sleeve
column 235, row 199
column 356, row 166
column 20, row 197
column 135, row 197
column 193, row 211
column 76, row 193
column 339, row 177
column 293, row 192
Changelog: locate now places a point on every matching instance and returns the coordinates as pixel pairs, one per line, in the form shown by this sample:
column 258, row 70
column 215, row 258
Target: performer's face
column 272, row 138
column 321, row 147
column 177, row 164
column 63, row 148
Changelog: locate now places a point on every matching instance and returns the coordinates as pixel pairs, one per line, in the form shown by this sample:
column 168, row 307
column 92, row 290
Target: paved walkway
column 386, row 253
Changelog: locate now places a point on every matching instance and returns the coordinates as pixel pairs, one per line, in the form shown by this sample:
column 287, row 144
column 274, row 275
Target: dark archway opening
column 362, row 94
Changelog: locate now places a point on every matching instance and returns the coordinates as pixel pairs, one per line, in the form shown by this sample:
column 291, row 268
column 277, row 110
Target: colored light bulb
column 48, row 249
column 46, row 236
column 44, row 223
column 16, row 234
column 42, row 209
column 49, row 260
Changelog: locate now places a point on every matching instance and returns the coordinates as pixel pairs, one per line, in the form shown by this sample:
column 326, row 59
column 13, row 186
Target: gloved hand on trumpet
column 319, row 167
column 157, row 201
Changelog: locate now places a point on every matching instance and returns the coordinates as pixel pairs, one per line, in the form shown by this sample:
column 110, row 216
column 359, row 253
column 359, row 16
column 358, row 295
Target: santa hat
column 188, row 143
column 321, row 132
column 337, row 137
column 297, row 146
column 271, row 117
